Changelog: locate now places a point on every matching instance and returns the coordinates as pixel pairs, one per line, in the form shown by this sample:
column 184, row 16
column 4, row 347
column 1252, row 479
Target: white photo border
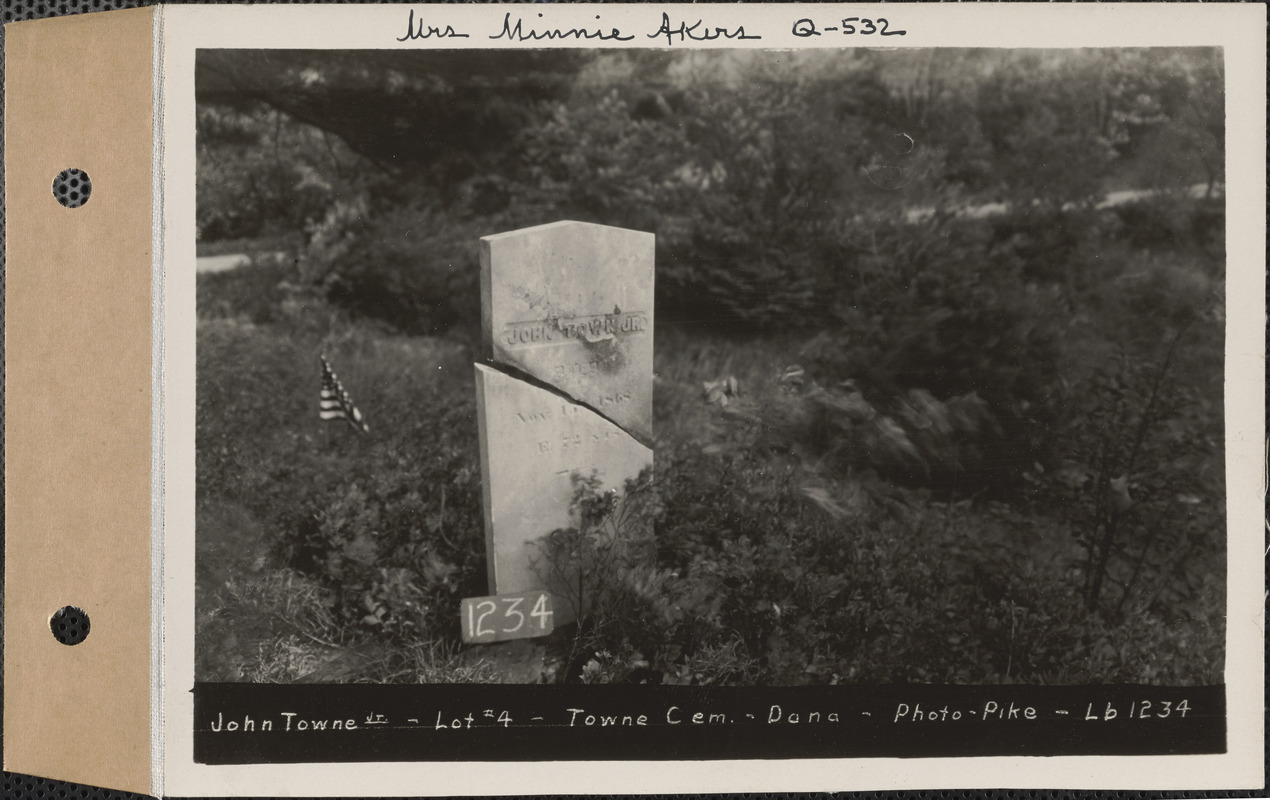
column 181, row 30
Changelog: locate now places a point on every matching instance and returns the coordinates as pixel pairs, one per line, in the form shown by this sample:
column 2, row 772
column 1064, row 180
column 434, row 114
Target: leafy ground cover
column 890, row 445
column 810, row 527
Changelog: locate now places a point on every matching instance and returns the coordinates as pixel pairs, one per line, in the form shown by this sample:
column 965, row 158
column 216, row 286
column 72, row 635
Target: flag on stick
column 335, row 402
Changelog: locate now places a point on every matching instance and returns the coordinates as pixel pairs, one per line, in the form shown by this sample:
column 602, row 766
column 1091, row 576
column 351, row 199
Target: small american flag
column 335, row 402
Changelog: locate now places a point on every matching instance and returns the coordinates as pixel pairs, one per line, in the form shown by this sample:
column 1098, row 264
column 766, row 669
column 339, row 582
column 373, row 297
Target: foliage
column 426, row 119
column 733, row 182
column 257, row 295
column 756, row 579
column 388, row 524
column 410, row 268
column 1143, row 485
column 1171, row 223
column 260, row 172
column 773, row 561
column 765, row 180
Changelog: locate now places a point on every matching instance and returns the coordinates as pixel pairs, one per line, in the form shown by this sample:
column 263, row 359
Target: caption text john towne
column 774, row 714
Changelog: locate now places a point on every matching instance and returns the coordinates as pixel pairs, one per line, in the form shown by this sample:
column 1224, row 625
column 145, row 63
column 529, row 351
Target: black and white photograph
column 578, row 399
column 674, row 394
column 921, row 381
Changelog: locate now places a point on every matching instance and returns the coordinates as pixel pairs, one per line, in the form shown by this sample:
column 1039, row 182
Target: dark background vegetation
column 939, row 361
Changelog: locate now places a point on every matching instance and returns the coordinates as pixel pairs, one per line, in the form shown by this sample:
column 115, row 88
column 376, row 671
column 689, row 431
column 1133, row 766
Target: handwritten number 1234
column 503, row 617
column 862, row 25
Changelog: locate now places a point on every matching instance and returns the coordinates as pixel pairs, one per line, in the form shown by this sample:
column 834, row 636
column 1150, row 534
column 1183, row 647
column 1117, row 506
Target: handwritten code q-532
column 848, row 26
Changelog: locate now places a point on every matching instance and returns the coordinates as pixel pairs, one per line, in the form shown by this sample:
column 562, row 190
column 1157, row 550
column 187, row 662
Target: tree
column 1187, row 140
column 439, row 115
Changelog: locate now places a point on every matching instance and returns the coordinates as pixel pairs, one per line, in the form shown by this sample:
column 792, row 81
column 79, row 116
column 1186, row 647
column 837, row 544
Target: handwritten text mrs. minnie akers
column 515, row 29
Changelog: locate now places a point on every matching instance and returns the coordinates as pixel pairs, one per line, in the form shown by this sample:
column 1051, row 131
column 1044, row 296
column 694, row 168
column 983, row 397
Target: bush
column 1142, row 484
column 1054, row 246
column 388, row 524
column 396, row 540
column 784, row 552
column 1169, row 223
column 405, row 266
column 732, row 214
column 772, row 577
column 937, row 319
column 255, row 293
column 260, row 172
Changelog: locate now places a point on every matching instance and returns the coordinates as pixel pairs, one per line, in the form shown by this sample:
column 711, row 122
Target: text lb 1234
column 506, row 616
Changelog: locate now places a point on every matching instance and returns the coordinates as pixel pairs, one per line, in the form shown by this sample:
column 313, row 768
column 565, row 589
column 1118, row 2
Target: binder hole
column 72, row 187
column 69, row 625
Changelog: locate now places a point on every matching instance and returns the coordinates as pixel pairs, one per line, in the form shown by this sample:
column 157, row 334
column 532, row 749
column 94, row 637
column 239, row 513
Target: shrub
column 388, row 524
column 397, row 540
column 632, row 612
column 960, row 336
column 263, row 626
column 255, row 292
column 1143, row 485
column 406, row 266
column 885, row 585
column 1170, row 223
column 260, row 172
column 732, row 213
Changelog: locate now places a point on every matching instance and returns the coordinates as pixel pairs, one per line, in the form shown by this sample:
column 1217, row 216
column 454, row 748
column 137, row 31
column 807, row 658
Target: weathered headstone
column 571, row 304
column 567, row 313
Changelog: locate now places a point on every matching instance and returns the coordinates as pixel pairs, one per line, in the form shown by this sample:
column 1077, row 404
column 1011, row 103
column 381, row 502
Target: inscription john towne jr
column 567, row 320
column 594, row 328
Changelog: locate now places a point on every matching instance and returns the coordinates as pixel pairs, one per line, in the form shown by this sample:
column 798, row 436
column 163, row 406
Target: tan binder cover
column 78, row 94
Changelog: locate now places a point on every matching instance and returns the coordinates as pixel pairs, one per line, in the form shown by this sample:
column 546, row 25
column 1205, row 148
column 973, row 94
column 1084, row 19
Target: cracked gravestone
column 567, row 312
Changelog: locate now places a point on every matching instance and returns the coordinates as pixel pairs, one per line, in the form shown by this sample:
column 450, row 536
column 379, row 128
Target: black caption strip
column 254, row 723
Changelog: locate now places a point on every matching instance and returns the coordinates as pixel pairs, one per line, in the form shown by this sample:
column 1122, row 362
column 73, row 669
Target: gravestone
column 567, row 312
